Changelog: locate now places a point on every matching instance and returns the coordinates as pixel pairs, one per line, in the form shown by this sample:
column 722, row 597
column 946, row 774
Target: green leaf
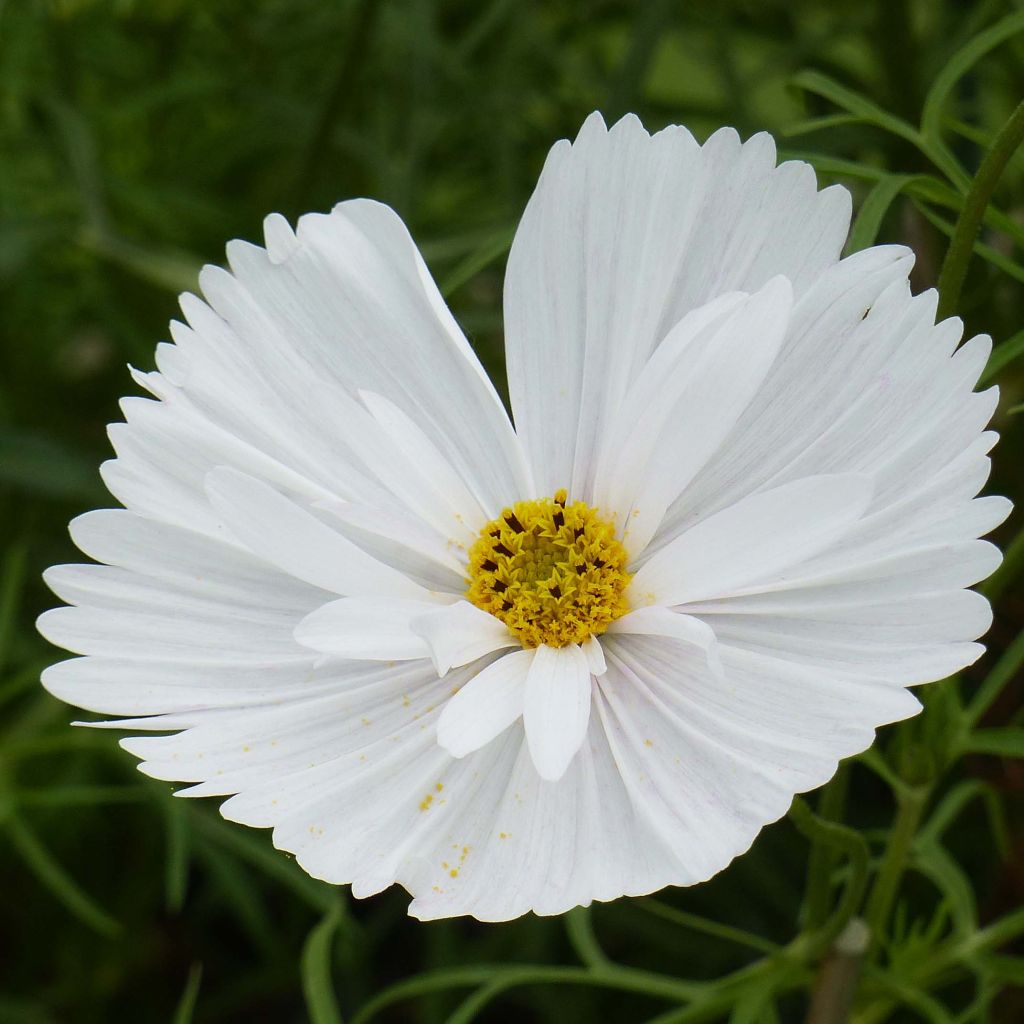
column 1002, row 356
column 874, row 208
column 753, row 1006
column 955, row 69
column 494, row 248
column 241, row 892
column 993, row 588
column 254, row 848
column 189, row 997
column 821, row 124
column 63, row 887
column 958, row 65
column 317, row 988
column 705, row 926
column 870, row 113
column 502, row 976
column 1004, row 742
column 12, row 580
column 986, row 252
column 853, row 102
column 977, row 201
column 926, row 1006
column 40, row 465
column 79, row 796
column 176, row 864
column 934, row 861
column 949, row 808
column 166, row 268
column 580, row 929
column 1004, row 968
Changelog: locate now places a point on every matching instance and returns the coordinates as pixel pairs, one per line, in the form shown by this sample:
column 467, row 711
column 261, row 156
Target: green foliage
column 137, row 138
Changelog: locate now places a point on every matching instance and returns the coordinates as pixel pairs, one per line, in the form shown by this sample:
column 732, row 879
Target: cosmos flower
column 524, row 668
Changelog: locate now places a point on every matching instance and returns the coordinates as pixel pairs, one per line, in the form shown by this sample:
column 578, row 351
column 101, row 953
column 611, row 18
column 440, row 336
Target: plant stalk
column 911, row 804
column 958, row 255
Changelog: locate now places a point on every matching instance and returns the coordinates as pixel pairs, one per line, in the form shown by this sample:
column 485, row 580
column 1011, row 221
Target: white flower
column 525, row 668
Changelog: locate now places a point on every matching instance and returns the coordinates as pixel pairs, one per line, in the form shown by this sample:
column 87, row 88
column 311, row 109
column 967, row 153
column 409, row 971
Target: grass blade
column 64, row 888
column 316, row 970
column 187, row 1003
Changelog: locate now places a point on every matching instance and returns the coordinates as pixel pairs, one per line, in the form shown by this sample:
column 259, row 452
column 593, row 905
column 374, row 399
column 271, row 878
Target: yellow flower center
column 553, row 573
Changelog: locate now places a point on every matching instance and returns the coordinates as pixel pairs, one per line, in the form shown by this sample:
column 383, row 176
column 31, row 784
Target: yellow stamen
column 553, row 573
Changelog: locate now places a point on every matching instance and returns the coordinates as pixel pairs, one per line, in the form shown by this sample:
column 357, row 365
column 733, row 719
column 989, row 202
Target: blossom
column 524, row 668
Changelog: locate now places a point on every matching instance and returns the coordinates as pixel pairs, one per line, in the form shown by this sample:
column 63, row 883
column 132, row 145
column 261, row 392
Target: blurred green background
column 135, row 139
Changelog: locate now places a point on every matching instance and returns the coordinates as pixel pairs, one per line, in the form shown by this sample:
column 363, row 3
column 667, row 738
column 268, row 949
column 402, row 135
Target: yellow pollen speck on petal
column 426, row 802
column 439, row 786
column 454, row 872
column 503, row 835
column 553, row 572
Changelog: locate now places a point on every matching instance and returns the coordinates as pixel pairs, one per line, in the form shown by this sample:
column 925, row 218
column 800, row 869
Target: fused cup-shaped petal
column 525, row 667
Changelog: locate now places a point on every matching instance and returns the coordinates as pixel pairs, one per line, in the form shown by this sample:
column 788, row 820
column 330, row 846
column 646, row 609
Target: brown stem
column 836, row 986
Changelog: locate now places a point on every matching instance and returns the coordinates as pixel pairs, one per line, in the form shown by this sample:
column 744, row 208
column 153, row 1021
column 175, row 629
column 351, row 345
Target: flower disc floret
column 553, row 572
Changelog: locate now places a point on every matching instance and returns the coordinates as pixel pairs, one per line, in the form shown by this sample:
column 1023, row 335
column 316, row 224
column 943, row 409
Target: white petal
column 285, row 535
column 397, row 539
column 375, row 629
column 459, row 634
column 865, row 382
column 417, row 471
column 591, row 647
column 222, row 571
column 684, row 404
column 553, row 846
column 264, row 379
column 557, row 707
column 171, row 634
column 119, row 685
column 165, row 449
column 660, row 621
column 827, row 581
column 485, row 706
column 408, row 531
column 372, row 715
column 399, row 529
column 906, row 640
column 279, row 237
column 738, row 749
column 355, row 302
column 753, row 540
column 623, row 236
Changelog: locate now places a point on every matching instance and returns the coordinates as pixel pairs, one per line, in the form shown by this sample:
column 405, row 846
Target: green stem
column 947, row 963
column 997, row 934
column 814, row 943
column 774, row 975
column 498, row 978
column 911, row 805
column 958, row 255
column 580, row 929
column 822, row 859
column 703, row 924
